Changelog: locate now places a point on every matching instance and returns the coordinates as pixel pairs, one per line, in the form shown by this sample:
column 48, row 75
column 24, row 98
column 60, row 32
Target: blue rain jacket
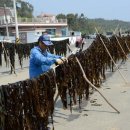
column 40, row 61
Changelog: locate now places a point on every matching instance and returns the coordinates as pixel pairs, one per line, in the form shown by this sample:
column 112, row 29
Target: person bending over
column 40, row 59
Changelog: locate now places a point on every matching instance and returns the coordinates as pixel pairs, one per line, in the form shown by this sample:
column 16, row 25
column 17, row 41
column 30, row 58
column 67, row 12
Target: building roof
column 8, row 11
column 45, row 15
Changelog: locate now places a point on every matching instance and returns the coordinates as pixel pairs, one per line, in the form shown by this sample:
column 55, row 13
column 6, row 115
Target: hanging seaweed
column 1, row 54
column 6, row 55
column 28, row 104
column 23, row 51
column 9, row 54
column 61, row 47
column 51, row 49
column 94, row 64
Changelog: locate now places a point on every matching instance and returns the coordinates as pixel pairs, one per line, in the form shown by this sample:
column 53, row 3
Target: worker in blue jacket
column 40, row 59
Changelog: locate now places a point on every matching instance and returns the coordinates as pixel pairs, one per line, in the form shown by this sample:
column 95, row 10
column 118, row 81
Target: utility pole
column 16, row 22
column 7, row 31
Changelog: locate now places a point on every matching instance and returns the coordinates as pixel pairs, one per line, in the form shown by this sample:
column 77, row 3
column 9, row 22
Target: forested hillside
column 86, row 25
column 110, row 25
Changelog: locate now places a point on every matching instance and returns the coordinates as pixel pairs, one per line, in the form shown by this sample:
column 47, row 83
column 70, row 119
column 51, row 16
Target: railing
column 36, row 20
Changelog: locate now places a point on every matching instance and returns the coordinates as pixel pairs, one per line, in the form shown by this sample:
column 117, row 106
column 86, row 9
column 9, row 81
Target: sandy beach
column 95, row 114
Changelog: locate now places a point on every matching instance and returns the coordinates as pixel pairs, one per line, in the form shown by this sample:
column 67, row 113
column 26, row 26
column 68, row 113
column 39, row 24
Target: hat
column 45, row 39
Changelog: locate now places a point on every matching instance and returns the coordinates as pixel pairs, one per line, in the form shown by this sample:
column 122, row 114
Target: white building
column 32, row 27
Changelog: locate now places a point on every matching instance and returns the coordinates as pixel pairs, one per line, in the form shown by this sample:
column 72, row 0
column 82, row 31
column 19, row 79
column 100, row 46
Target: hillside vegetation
column 26, row 9
column 86, row 25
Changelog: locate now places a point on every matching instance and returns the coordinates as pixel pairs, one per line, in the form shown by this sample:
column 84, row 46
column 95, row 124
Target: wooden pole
column 121, row 47
column 111, row 57
column 127, row 46
column 114, row 32
column 84, row 75
column 7, row 30
column 16, row 22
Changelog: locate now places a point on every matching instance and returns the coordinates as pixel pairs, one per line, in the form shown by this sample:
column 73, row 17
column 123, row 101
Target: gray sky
column 107, row 9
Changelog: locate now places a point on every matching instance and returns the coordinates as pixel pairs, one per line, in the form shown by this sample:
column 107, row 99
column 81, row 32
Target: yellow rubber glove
column 64, row 59
column 59, row 61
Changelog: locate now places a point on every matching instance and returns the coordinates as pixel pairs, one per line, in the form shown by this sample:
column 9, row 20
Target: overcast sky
column 107, row 9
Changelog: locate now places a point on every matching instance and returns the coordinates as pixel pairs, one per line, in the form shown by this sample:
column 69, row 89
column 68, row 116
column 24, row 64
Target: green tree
column 8, row 3
column 61, row 16
column 72, row 21
column 26, row 9
column 85, row 25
